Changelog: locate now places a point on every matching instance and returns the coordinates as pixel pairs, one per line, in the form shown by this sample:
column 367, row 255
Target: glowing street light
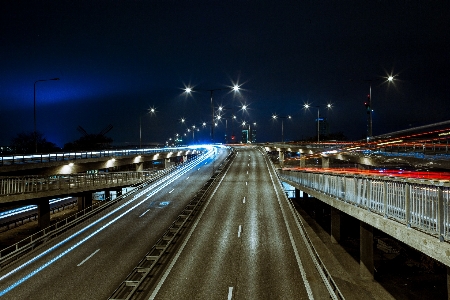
column 188, row 90
column 150, row 111
column 328, row 106
column 274, row 117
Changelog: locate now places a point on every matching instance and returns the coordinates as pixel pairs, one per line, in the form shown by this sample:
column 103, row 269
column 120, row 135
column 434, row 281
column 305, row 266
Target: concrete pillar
column 281, row 158
column 302, row 162
column 140, row 166
column 84, row 200
column 297, row 194
column 366, row 267
column 44, row 213
column 325, row 162
column 335, row 225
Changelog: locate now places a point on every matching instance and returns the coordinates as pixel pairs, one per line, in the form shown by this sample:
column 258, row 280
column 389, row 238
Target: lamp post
column 150, row 111
column 328, row 106
column 34, row 112
column 274, row 117
column 368, row 103
column 189, row 90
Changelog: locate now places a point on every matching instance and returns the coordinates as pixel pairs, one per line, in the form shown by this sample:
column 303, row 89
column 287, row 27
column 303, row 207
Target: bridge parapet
column 17, row 188
column 388, row 204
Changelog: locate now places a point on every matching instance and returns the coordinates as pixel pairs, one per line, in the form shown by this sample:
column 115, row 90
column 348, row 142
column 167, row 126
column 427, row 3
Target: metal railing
column 76, row 155
column 421, row 204
column 35, row 184
column 15, row 251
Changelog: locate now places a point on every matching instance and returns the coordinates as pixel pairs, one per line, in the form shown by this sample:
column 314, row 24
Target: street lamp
column 34, row 97
column 368, row 103
column 328, row 106
column 150, row 111
column 189, row 90
column 274, row 117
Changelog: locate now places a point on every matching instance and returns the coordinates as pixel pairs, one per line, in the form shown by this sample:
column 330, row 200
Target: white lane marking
column 198, row 169
column 239, row 231
column 230, row 293
column 144, row 212
column 294, row 246
column 248, row 165
column 247, row 172
column 243, row 201
column 186, row 239
column 171, row 191
column 246, row 183
column 88, row 258
column 187, row 178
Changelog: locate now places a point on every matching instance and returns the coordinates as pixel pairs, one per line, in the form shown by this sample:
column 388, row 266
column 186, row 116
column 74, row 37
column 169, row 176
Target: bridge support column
column 108, row 194
column 302, row 162
column 167, row 163
column 366, row 266
column 44, row 213
column 325, row 162
column 140, row 166
column 281, row 158
column 84, row 200
column 335, row 225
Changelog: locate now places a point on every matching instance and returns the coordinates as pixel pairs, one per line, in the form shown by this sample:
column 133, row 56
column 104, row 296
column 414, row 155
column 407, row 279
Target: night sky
column 116, row 59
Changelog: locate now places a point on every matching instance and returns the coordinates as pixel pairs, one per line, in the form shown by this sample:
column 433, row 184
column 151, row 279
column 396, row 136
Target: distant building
column 244, row 136
column 248, row 136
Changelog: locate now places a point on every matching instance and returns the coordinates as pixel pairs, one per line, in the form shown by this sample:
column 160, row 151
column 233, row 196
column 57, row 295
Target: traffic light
column 367, row 104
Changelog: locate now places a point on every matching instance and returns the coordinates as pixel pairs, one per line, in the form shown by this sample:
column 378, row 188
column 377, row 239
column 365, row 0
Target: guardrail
column 160, row 251
column 418, row 203
column 76, row 155
column 327, row 279
column 35, row 184
column 15, row 251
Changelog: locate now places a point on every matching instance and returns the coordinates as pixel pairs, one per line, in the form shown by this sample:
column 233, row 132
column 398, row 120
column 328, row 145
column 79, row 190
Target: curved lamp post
column 274, row 117
column 150, row 111
column 189, row 90
column 328, row 106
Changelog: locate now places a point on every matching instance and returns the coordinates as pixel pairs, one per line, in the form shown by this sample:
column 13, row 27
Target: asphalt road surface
column 90, row 261
column 245, row 244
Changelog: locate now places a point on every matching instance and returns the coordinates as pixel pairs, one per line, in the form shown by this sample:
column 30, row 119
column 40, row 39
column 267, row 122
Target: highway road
column 245, row 243
column 90, row 261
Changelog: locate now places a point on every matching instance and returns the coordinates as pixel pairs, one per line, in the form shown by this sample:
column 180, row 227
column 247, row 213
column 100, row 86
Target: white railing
column 421, row 204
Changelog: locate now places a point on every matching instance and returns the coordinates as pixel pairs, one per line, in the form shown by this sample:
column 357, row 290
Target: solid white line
column 88, row 258
column 247, row 172
column 171, row 191
column 186, row 239
column 230, row 293
column 144, row 212
column 246, row 183
column 243, row 201
column 239, row 231
column 294, row 246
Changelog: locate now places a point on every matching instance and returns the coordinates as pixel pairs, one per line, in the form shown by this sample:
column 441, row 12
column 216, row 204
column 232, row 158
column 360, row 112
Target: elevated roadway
column 90, row 260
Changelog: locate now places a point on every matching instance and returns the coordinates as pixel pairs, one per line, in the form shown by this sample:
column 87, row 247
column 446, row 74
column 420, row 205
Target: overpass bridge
column 415, row 211
column 85, row 161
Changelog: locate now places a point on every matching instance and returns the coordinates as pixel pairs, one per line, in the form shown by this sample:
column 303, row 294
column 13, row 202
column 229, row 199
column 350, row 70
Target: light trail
column 164, row 182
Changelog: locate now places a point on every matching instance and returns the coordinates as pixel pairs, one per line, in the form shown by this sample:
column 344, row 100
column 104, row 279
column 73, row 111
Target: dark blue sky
column 118, row 58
